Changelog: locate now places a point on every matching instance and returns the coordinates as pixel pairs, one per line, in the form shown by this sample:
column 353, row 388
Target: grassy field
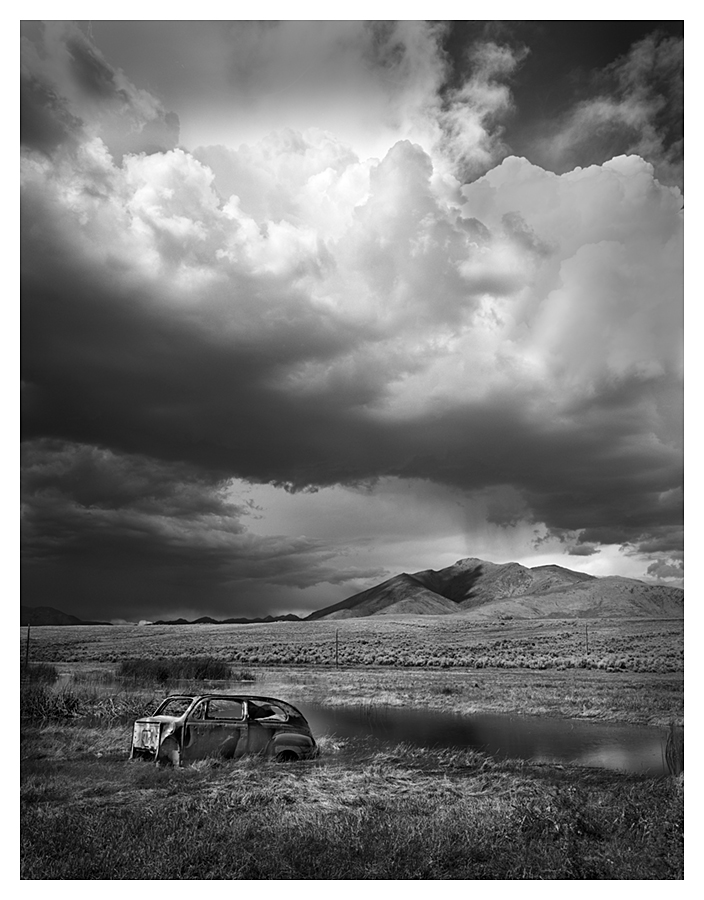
column 400, row 814
column 429, row 642
column 356, row 813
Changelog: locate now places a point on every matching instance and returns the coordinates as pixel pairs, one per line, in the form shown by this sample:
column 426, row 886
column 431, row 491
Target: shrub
column 243, row 675
column 163, row 670
column 93, row 677
column 40, row 673
column 674, row 750
column 40, row 703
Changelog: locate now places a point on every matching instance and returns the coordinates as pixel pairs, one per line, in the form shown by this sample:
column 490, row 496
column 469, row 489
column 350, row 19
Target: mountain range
column 207, row 620
column 47, row 615
column 481, row 589
column 471, row 587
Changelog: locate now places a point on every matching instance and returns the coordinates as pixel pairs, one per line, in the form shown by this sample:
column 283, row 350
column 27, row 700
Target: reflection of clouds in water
column 647, row 759
column 553, row 741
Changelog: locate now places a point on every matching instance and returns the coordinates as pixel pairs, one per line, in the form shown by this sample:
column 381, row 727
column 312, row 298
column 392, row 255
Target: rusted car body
column 187, row 727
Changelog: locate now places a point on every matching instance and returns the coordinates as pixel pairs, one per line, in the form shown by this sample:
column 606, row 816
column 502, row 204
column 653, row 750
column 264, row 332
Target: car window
column 268, row 711
column 174, row 706
column 225, row 709
column 199, row 711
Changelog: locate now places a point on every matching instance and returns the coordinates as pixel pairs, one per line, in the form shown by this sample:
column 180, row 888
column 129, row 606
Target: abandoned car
column 187, row 727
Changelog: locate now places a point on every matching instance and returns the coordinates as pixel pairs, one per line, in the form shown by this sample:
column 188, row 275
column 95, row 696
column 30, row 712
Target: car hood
column 159, row 720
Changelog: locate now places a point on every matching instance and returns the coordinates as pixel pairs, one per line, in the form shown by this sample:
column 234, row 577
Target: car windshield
column 174, row 706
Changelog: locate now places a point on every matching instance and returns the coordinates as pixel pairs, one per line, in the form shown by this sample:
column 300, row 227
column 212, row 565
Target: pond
column 627, row 748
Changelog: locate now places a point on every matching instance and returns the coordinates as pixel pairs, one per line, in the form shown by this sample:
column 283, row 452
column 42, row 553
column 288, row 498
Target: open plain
column 358, row 811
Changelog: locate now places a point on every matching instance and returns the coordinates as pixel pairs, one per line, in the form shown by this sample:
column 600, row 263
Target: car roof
column 231, row 696
column 224, row 695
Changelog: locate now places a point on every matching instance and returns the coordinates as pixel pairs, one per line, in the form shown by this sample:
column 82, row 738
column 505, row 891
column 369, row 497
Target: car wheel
column 286, row 756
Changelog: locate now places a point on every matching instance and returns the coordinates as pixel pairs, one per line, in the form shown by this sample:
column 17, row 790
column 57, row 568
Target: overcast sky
column 309, row 304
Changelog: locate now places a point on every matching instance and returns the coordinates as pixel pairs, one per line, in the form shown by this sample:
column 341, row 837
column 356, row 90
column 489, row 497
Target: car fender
column 169, row 752
column 299, row 743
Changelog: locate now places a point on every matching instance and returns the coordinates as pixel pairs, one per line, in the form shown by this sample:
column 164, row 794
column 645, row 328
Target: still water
column 619, row 747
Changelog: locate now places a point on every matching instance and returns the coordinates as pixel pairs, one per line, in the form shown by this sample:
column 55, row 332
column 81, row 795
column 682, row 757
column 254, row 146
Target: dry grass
column 39, row 673
column 404, row 813
column 41, row 704
column 425, row 642
column 399, row 813
column 674, row 749
column 639, row 699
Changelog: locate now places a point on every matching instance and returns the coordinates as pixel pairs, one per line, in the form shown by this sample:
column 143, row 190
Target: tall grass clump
column 199, row 668
column 674, row 750
column 242, row 675
column 39, row 673
column 40, row 703
column 93, row 677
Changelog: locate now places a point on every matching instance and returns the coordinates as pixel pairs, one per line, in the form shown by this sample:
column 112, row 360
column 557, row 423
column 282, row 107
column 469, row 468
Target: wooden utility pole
column 26, row 652
column 337, row 649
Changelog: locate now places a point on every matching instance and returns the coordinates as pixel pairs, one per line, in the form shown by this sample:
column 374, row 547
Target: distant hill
column 47, row 615
column 401, row 594
column 482, row 589
column 206, row 620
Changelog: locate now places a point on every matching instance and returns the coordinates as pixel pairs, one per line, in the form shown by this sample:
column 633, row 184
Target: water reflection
column 619, row 747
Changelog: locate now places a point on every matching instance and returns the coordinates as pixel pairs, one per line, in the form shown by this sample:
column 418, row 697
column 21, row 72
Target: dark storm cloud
column 70, row 93
column 91, row 72
column 103, row 369
column 105, row 530
column 583, row 550
column 666, row 539
column 635, row 104
column 256, row 382
column 45, row 121
column 288, row 313
column 97, row 478
column 663, row 570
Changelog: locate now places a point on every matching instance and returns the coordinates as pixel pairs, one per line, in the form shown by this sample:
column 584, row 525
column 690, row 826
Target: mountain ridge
column 482, row 589
column 48, row 615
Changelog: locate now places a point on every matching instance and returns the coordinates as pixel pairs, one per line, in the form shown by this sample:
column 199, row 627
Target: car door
column 215, row 727
column 264, row 720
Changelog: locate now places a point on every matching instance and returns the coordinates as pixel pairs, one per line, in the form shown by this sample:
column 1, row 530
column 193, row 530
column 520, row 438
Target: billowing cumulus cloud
column 290, row 312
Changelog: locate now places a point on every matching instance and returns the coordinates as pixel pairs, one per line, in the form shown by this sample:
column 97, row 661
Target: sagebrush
column 200, row 668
